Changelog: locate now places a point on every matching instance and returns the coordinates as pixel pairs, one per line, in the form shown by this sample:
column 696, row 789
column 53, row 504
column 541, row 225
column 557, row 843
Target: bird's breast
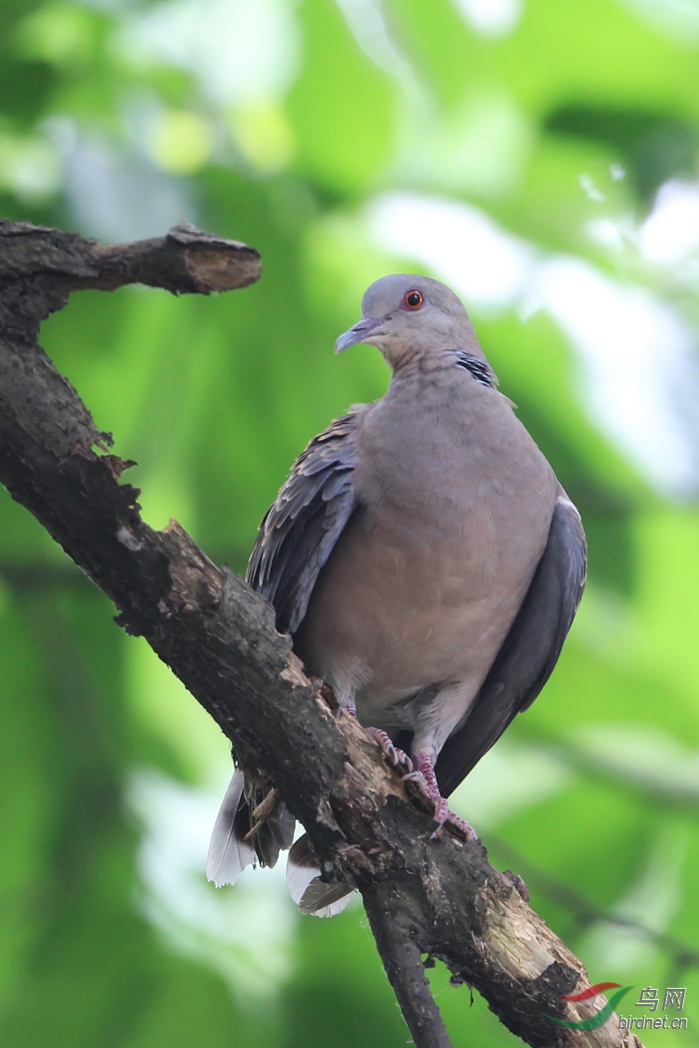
column 427, row 576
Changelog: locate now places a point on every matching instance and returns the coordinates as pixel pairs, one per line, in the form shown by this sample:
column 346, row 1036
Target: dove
column 426, row 562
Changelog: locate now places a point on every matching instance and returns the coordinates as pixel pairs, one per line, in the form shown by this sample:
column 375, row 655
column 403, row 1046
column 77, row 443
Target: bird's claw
column 458, row 823
column 393, row 754
column 442, row 812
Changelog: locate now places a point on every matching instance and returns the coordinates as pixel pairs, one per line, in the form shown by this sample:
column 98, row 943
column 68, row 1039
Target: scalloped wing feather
column 305, row 521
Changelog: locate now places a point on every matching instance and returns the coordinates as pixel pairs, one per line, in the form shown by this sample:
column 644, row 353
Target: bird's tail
column 233, row 846
column 310, row 893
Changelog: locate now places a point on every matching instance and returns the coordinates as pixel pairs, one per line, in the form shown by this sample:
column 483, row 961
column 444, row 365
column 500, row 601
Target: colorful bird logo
column 602, row 1015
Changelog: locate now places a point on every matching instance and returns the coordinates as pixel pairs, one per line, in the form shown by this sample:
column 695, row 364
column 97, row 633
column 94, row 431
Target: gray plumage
column 422, row 553
column 311, row 894
column 229, row 854
column 232, row 847
column 302, row 526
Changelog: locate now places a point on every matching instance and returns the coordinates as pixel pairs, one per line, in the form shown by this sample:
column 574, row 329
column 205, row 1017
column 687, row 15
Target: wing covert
column 530, row 650
column 300, row 529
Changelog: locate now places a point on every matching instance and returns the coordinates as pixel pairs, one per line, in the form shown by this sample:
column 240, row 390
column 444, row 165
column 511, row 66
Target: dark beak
column 359, row 333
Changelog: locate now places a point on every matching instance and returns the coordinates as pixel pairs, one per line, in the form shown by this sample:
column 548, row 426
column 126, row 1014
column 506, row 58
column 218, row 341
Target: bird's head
column 407, row 316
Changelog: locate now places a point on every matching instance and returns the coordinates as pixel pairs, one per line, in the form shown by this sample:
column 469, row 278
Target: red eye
column 413, row 299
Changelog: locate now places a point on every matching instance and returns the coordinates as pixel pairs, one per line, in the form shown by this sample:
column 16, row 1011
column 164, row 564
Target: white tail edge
column 309, row 892
column 228, row 856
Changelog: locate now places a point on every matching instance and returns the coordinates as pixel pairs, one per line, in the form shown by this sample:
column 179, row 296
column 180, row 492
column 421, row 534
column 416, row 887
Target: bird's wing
column 530, row 650
column 302, row 526
column 296, row 538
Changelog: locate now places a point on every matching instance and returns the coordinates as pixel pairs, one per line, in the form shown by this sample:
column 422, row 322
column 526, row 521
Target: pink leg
column 424, row 773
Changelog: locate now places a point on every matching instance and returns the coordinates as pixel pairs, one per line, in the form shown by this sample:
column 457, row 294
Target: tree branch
column 403, row 963
column 681, row 956
column 440, row 896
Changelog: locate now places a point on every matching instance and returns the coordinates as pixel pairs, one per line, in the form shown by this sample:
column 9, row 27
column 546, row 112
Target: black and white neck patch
column 480, row 369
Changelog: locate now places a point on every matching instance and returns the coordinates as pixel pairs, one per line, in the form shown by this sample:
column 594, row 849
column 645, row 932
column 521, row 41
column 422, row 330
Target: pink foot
column 393, row 754
column 424, row 774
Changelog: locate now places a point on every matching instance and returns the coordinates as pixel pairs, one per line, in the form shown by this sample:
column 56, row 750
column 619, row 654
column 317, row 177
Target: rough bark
column 439, row 896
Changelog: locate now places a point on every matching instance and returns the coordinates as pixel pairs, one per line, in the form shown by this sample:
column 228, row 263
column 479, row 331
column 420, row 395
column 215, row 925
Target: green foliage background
column 548, row 128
